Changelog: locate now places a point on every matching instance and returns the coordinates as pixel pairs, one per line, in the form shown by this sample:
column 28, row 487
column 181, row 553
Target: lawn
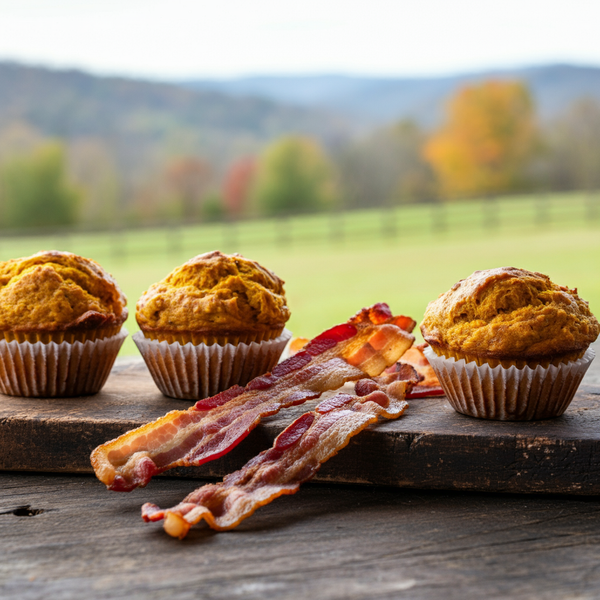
column 334, row 265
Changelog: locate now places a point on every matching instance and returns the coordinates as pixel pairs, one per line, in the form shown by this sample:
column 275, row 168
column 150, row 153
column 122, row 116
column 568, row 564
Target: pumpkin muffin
column 215, row 298
column 510, row 344
column 215, row 321
column 58, row 296
column 510, row 316
column 60, row 325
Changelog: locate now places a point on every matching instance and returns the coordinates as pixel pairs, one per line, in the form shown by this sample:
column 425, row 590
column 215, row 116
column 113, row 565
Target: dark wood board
column 327, row 542
column 430, row 447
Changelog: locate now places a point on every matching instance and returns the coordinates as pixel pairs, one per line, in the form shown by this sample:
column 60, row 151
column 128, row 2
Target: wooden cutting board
column 432, row 446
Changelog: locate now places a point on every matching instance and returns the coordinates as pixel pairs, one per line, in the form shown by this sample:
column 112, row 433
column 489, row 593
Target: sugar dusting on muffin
column 510, row 313
column 215, row 292
column 57, row 291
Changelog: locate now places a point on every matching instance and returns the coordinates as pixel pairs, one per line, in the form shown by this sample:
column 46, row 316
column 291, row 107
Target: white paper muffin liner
column 509, row 394
column 190, row 371
column 57, row 370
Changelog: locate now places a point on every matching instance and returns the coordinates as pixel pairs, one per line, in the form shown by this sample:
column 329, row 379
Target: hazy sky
column 220, row 38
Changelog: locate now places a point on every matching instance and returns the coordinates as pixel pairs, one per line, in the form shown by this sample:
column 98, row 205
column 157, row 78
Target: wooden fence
column 402, row 223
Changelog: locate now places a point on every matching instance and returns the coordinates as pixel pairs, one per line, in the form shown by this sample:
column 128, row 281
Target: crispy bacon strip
column 296, row 455
column 428, row 384
column 369, row 342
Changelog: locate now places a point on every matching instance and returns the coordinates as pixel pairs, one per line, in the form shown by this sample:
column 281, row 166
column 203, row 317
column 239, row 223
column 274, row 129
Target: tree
column 386, row 167
column 189, row 178
column 35, row 190
column 294, row 176
column 213, row 208
column 237, row 185
column 92, row 167
column 487, row 142
column 572, row 148
column 18, row 138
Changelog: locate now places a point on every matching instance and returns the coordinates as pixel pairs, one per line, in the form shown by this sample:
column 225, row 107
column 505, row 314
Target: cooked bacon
column 369, row 342
column 428, row 384
column 296, row 345
column 425, row 392
column 296, row 455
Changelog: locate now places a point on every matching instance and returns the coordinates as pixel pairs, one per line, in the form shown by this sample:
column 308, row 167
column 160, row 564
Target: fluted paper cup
column 196, row 371
column 57, row 370
column 509, row 394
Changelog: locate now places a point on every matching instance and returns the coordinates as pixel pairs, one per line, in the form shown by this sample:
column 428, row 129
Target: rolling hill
column 380, row 100
column 135, row 114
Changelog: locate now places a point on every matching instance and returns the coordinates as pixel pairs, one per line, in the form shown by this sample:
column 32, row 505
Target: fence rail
column 487, row 217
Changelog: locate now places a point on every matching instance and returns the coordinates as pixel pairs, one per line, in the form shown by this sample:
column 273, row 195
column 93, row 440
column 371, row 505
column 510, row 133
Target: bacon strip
column 369, row 342
column 428, row 384
column 296, row 455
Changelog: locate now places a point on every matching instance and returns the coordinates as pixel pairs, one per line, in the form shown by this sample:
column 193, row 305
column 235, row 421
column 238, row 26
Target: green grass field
column 334, row 265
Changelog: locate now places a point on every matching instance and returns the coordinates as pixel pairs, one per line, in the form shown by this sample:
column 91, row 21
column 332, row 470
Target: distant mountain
column 141, row 121
column 137, row 114
column 381, row 100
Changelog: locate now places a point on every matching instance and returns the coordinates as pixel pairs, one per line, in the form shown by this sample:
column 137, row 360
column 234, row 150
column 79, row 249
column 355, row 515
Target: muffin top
column 509, row 313
column 215, row 292
column 58, row 291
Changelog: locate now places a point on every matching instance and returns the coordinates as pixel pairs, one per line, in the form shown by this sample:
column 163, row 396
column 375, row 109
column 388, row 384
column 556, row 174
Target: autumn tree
column 35, row 190
column 294, row 176
column 189, row 178
column 386, row 167
column 487, row 141
column 18, row 138
column 571, row 158
column 92, row 166
column 237, row 185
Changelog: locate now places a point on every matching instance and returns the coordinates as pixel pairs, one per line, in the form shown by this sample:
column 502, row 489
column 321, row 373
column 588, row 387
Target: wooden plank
column 326, row 542
column 430, row 447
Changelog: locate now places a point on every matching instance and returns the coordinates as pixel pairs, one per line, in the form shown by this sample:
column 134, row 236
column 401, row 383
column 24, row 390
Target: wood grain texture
column 326, row 542
column 431, row 447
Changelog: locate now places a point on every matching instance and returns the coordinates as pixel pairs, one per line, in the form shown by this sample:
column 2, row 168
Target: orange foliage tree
column 487, row 141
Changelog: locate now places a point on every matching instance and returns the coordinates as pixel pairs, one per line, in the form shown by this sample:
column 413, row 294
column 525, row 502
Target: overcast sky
column 223, row 38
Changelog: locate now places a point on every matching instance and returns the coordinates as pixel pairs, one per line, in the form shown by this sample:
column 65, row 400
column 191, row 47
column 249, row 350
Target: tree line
column 491, row 142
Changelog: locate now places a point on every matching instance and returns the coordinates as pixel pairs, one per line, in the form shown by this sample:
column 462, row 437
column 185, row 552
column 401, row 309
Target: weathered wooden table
column 65, row 536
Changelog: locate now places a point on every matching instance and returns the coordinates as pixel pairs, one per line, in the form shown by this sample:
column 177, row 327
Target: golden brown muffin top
column 215, row 292
column 57, row 291
column 509, row 313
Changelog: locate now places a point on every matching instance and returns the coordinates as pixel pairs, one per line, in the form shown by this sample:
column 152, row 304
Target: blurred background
column 364, row 151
